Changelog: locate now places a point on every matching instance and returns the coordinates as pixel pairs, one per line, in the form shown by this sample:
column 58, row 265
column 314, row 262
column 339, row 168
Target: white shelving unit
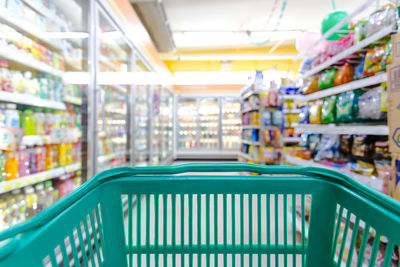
column 373, row 80
column 357, row 47
column 27, row 60
column 29, row 100
column 376, row 184
column 291, row 139
column 250, row 109
column 250, row 126
column 249, row 142
column 247, row 156
column 7, row 186
column 7, row 17
column 343, row 129
column 44, row 11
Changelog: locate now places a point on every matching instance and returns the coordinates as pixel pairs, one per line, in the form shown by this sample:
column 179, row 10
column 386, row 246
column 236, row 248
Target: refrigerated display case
column 113, row 119
column 155, row 150
column 166, row 114
column 231, row 123
column 207, row 127
column 40, row 114
column 141, row 126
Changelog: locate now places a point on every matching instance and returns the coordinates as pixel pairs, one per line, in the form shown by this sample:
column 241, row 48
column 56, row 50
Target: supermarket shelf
column 376, row 184
column 248, row 142
column 197, row 153
column 108, row 63
column 292, row 97
column 120, row 89
column 376, row 79
column 25, row 26
column 44, row 11
column 291, row 111
column 271, row 127
column 343, row 129
column 39, row 140
column 28, row 61
column 250, row 93
column 116, row 111
column 247, row 156
column 29, row 100
column 73, row 100
column 291, row 139
column 244, row 127
column 355, row 48
column 108, row 157
column 7, row 186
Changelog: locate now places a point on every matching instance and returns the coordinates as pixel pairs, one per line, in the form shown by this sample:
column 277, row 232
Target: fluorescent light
column 64, row 35
column 228, row 56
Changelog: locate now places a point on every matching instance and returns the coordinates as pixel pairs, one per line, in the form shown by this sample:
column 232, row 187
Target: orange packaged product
column 344, row 74
column 311, row 86
column 315, row 112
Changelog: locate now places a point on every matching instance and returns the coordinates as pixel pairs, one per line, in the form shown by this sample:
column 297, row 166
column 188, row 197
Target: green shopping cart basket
column 149, row 216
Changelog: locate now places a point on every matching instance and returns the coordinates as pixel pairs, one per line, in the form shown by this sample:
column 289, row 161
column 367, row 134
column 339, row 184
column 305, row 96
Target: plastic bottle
column 31, row 202
column 49, row 120
column 49, row 157
column 32, row 160
column 40, row 122
column 49, row 194
column 20, row 205
column 11, row 166
column 40, row 159
column 12, row 116
column 3, row 216
column 23, row 162
column 5, row 77
column 42, row 197
column 2, row 165
column 29, row 122
column 2, row 116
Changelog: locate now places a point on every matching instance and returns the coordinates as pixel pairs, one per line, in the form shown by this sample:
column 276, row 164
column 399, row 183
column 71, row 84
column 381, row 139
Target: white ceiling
column 201, row 17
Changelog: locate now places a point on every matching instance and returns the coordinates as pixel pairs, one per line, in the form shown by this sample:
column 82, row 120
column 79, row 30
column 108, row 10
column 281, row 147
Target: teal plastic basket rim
column 121, row 172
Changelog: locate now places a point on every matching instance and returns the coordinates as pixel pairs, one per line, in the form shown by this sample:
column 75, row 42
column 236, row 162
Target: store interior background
column 99, row 84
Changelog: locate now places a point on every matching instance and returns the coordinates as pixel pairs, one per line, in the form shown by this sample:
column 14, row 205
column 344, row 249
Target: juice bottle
column 19, row 205
column 40, row 122
column 41, row 194
column 2, row 165
column 54, row 155
column 40, row 159
column 50, row 198
column 11, row 166
column 12, row 116
column 49, row 158
column 49, row 120
column 31, row 202
column 23, row 162
column 32, row 160
column 29, row 122
column 62, row 154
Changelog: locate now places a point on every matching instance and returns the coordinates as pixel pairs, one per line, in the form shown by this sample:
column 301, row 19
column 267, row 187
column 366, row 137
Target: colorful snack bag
column 328, row 113
column 327, row 78
column 373, row 60
column 315, row 112
column 344, row 74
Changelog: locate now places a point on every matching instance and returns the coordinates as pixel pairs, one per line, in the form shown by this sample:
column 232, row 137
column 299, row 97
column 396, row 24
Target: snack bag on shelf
column 304, row 114
column 328, row 112
column 277, row 117
column 327, row 78
column 344, row 74
column 347, row 106
column 328, row 148
column 362, row 147
column 266, row 117
column 381, row 150
column 360, row 30
column 346, row 142
column 361, row 167
column 315, row 112
column 369, row 104
column 384, row 96
column 373, row 60
column 359, row 70
column 311, row 86
column 381, row 18
column 264, row 98
column 387, row 56
column 273, row 98
column 384, row 172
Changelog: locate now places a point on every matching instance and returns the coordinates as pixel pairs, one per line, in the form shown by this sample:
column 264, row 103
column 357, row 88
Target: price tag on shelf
column 19, row 184
column 37, row 179
column 69, row 169
column 8, row 187
column 29, row 181
column 47, row 176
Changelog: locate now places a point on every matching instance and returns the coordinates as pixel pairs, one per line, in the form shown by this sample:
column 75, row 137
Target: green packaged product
column 328, row 113
column 347, row 106
column 387, row 56
column 327, row 78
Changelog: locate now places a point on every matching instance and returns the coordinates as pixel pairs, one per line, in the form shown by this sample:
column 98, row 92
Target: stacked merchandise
column 261, row 123
column 342, row 116
column 231, row 124
column 141, row 125
column 187, row 132
column 40, row 114
column 209, row 123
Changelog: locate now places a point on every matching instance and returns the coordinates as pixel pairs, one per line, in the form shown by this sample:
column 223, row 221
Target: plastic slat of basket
column 303, row 227
column 74, row 249
column 156, row 233
column 148, row 229
column 130, row 226
column 100, row 226
column 268, row 214
column 215, row 227
column 276, row 210
column 388, row 256
column 374, row 251
column 94, row 232
column 241, row 228
column 233, row 219
column 82, row 245
column 353, row 242
column 294, row 226
column 343, row 244
column 198, row 228
column 337, row 230
column 285, row 228
column 88, row 238
column 138, row 228
column 165, row 213
column 364, row 240
column 64, row 254
column 258, row 225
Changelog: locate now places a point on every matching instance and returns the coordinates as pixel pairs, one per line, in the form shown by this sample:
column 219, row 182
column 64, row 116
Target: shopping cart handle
column 122, row 172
